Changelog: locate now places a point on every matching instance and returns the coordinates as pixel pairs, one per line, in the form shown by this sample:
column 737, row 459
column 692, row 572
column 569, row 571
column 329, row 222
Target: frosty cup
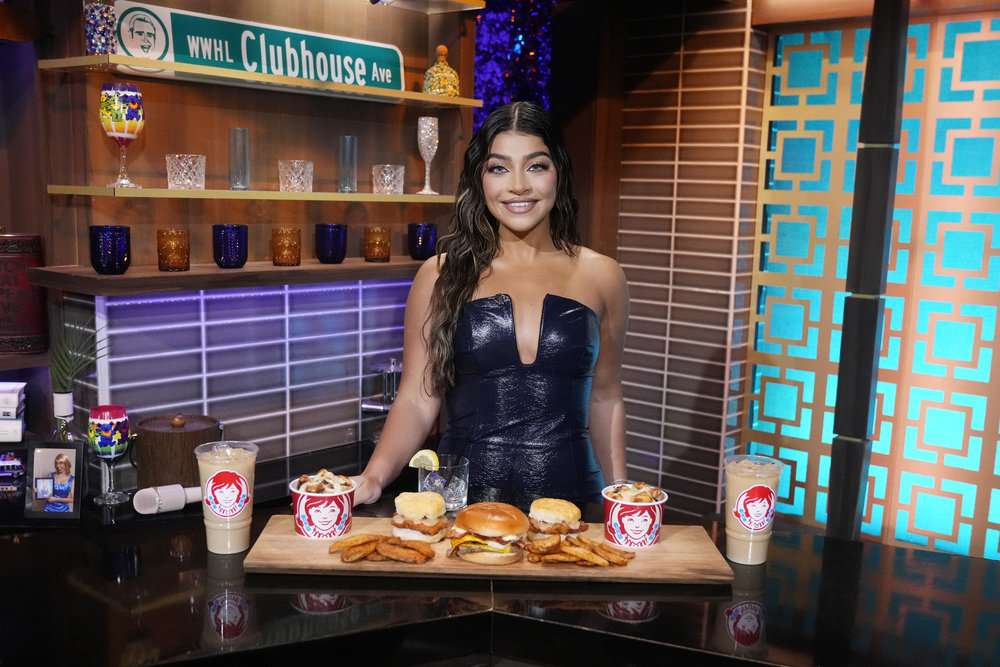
column 322, row 515
column 226, row 471
column 632, row 525
column 751, row 491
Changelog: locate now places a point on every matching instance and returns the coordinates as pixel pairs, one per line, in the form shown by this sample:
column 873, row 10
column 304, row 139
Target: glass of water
column 450, row 478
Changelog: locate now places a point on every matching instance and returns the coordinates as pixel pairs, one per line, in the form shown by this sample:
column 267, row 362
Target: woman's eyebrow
column 529, row 156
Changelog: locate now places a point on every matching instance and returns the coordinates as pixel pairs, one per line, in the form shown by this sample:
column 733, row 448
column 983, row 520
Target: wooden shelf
column 147, row 279
column 439, row 6
column 12, row 361
column 165, row 193
column 201, row 73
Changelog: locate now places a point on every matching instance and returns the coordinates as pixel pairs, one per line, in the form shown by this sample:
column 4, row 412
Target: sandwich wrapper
column 169, row 498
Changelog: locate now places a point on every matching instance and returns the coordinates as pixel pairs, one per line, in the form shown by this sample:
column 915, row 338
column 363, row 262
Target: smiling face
column 637, row 523
column 519, row 183
column 227, row 495
column 757, row 509
column 324, row 516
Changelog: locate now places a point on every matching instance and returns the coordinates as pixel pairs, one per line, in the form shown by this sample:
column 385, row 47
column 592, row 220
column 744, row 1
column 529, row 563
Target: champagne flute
column 122, row 118
column 427, row 140
column 108, row 433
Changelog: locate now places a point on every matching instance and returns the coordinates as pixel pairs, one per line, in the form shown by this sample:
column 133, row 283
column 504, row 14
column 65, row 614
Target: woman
column 61, row 499
column 517, row 327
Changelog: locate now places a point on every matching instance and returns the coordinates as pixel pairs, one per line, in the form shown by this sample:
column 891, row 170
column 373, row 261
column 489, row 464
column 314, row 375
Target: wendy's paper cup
column 321, row 515
column 632, row 525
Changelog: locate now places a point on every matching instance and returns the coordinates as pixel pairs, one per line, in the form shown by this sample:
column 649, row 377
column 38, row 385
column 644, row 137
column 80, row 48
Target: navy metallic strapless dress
column 523, row 427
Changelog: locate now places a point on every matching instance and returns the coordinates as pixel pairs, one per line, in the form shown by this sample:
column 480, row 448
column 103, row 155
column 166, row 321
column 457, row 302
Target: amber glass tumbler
column 173, row 249
column 286, row 246
column 377, row 243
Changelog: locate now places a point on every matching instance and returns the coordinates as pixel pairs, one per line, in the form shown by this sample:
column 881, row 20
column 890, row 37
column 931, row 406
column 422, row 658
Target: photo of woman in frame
column 55, row 470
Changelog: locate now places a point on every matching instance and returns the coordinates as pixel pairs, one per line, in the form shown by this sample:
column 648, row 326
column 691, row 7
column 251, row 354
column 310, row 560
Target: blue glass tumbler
column 110, row 249
column 422, row 237
column 229, row 245
column 331, row 243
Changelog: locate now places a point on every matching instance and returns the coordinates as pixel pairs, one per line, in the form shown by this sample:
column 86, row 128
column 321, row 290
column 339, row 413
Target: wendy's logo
column 322, row 516
column 745, row 622
column 230, row 614
column 754, row 508
column 634, row 525
column 227, row 493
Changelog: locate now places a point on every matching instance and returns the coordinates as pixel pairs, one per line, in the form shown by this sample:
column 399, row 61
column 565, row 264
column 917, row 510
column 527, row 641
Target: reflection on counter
column 740, row 623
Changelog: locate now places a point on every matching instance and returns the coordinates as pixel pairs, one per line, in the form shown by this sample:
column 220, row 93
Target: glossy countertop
column 119, row 589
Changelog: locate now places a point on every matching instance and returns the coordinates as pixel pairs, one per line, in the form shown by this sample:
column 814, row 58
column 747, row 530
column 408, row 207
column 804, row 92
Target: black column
column 871, row 231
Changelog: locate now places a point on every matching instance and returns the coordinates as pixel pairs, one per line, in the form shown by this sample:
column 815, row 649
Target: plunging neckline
column 509, row 302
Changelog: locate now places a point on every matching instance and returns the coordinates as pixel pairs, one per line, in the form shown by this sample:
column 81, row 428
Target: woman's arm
column 607, row 403
column 415, row 409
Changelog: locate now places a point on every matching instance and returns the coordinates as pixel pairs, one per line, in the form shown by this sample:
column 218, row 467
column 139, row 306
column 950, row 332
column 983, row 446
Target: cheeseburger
column 488, row 533
column 551, row 516
column 419, row 516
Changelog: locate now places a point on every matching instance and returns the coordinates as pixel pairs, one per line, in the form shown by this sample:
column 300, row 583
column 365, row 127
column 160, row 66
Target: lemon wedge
column 425, row 458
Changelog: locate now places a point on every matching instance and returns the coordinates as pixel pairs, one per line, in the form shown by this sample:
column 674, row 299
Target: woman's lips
column 519, row 206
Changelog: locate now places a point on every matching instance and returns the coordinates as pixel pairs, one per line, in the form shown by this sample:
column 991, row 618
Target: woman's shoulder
column 602, row 267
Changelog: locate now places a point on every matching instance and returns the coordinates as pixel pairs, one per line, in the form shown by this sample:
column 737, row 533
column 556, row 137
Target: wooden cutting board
column 684, row 555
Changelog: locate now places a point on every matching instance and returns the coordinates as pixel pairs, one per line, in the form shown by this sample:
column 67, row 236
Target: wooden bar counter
column 120, row 589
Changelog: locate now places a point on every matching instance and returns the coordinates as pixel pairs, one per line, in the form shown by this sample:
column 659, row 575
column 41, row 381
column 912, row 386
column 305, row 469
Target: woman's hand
column 366, row 490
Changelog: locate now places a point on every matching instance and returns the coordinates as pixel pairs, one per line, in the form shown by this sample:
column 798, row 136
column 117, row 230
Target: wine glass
column 108, row 433
column 122, row 118
column 427, row 140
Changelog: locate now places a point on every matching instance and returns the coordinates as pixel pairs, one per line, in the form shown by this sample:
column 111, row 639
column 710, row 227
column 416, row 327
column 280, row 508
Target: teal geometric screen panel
column 935, row 464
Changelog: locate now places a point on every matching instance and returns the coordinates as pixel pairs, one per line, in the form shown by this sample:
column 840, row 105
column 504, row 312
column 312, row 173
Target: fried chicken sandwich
column 420, row 516
column 489, row 533
column 552, row 516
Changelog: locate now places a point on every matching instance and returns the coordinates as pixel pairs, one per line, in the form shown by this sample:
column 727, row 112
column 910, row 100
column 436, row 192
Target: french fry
column 559, row 557
column 359, row 551
column 420, row 547
column 584, row 554
column 400, row 553
column 353, row 541
column 613, row 556
column 545, row 545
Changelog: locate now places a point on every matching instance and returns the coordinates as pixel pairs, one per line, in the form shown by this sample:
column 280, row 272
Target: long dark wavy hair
column 474, row 239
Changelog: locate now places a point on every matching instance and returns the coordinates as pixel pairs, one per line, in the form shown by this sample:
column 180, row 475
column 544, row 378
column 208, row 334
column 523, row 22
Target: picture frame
column 43, row 487
column 51, row 495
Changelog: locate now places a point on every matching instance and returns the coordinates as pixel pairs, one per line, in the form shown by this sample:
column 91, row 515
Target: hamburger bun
column 492, row 520
column 489, row 533
column 491, row 557
column 419, row 516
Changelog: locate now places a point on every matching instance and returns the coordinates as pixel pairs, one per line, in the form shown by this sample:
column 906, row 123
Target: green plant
column 71, row 352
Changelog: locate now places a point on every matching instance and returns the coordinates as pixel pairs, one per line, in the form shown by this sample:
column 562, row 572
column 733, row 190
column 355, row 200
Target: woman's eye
column 539, row 166
column 496, row 169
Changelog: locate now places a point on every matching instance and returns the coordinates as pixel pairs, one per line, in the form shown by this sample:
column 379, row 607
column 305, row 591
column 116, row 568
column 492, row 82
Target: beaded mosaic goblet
column 427, row 140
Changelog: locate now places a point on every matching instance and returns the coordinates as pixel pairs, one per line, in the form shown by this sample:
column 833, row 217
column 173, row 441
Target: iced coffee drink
column 226, row 471
column 751, row 493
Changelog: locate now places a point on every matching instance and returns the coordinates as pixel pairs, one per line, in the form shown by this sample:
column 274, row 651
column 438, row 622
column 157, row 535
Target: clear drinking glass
column 295, row 175
column 450, row 478
column 239, row 158
column 347, row 164
column 427, row 141
column 185, row 172
column 387, row 179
